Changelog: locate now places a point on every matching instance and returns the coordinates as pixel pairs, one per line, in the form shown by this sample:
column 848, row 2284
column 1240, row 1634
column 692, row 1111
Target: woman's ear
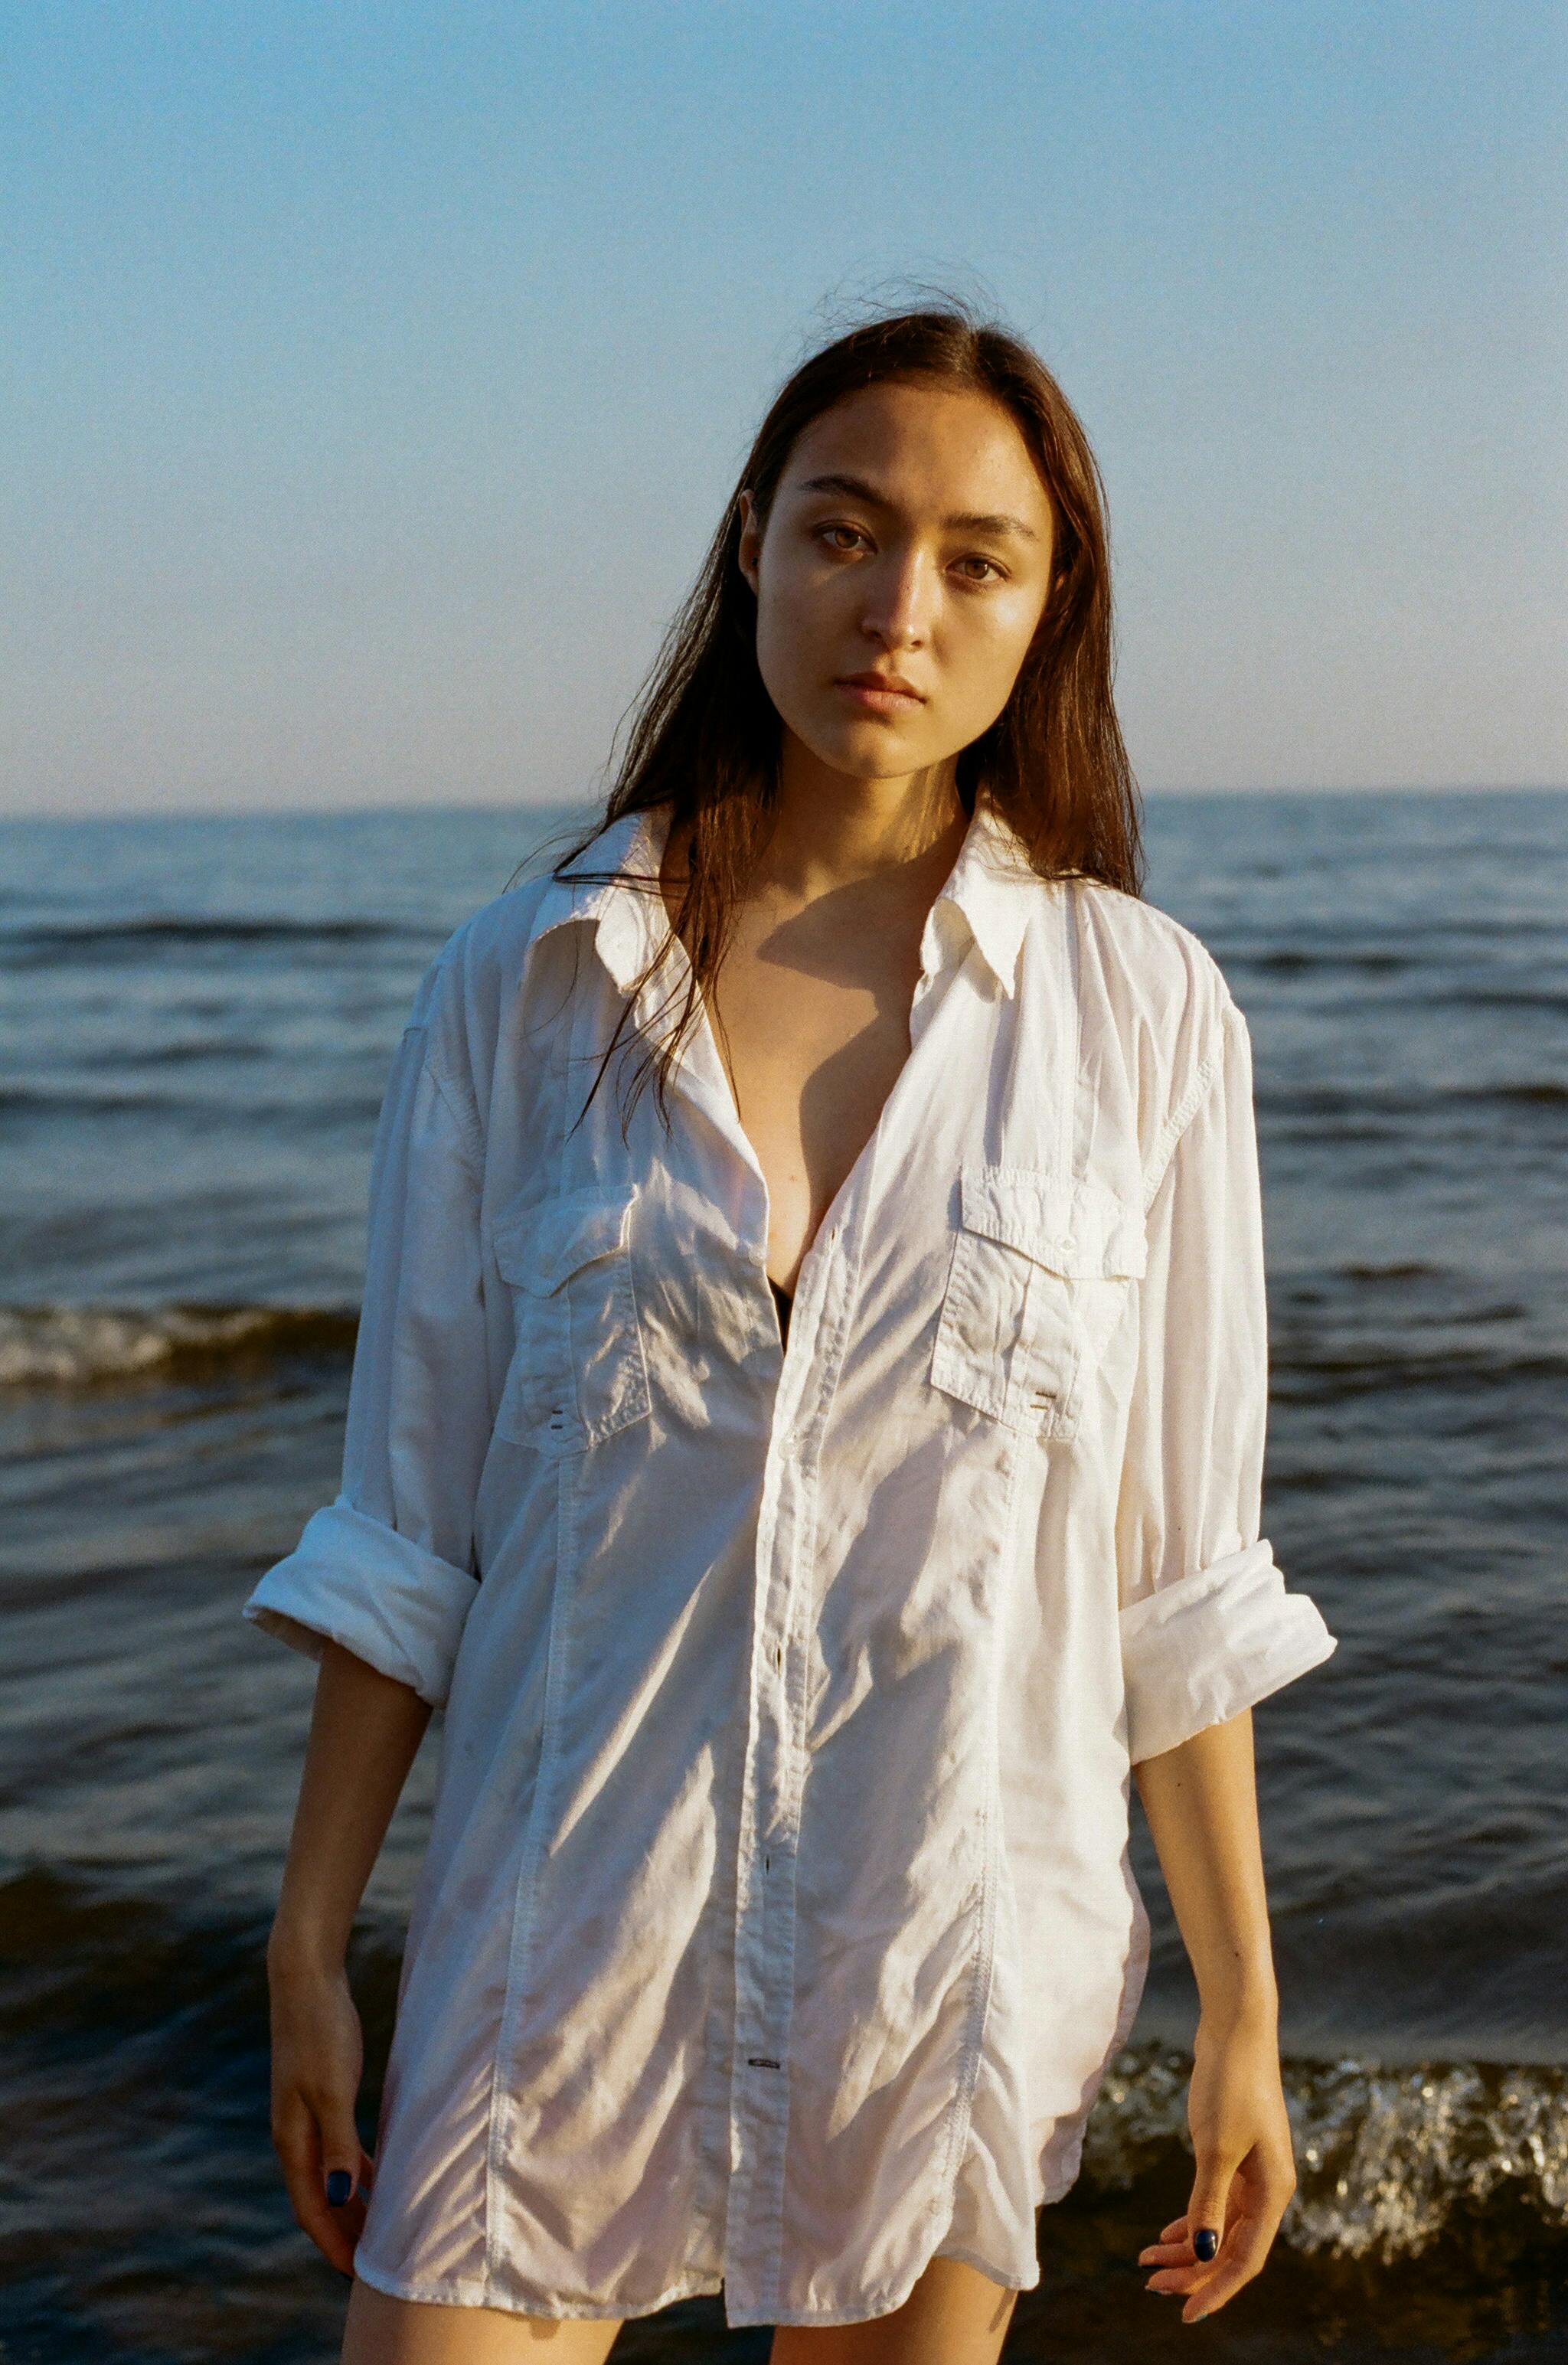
column 749, row 548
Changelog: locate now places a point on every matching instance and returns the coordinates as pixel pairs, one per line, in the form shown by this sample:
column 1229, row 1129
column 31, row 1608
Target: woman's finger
column 1207, row 2209
column 1248, row 2237
column 1166, row 2254
column 342, row 2151
column 1172, row 2249
column 1246, row 2247
column 296, row 2138
column 1187, row 2276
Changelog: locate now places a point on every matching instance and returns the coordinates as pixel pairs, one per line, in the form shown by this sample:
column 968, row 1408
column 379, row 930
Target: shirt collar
column 994, row 887
column 627, row 915
column 991, row 886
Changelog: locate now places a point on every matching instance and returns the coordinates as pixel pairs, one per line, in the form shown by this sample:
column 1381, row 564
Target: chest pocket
column 1037, row 1283
column 577, row 1372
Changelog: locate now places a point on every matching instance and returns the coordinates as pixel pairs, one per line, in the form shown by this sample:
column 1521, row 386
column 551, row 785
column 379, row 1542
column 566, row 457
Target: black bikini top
column 782, row 1299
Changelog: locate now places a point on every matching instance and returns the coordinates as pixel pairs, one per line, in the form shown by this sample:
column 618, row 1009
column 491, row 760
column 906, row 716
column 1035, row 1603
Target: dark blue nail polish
column 340, row 2184
column 1205, row 2241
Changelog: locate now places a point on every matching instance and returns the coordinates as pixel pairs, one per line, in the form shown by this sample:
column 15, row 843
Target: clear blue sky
column 377, row 374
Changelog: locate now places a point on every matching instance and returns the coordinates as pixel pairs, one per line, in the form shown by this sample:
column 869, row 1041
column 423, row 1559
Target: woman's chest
column 977, row 1236
column 813, row 1042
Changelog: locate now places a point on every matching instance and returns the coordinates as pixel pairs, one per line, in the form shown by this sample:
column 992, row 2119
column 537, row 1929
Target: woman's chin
column 871, row 747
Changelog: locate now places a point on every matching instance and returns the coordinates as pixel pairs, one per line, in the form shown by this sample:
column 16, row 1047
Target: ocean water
column 197, row 1017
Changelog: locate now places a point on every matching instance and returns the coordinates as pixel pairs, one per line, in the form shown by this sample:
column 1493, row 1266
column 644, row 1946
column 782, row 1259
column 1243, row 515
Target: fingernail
column 1205, row 2241
column 340, row 2184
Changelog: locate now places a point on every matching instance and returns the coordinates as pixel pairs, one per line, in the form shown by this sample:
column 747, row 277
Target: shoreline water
column 201, row 1022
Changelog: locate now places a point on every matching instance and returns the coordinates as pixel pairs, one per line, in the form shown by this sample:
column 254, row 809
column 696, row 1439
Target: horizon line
column 524, row 807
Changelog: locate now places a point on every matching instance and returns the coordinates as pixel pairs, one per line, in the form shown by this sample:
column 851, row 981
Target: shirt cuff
column 1203, row 1649
column 353, row 1580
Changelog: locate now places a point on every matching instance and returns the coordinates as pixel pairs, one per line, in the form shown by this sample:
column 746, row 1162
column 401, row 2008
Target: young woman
column 810, row 1484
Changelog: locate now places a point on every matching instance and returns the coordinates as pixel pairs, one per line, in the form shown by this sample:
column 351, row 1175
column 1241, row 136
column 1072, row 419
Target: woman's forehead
column 919, row 444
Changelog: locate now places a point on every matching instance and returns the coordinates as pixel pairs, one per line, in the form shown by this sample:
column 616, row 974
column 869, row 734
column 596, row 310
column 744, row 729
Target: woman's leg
column 955, row 2316
column 384, row 2331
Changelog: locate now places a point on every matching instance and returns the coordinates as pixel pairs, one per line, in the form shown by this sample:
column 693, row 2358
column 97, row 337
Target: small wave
column 1367, row 1109
column 1385, row 2158
column 1294, row 963
column 111, row 939
column 80, row 1101
column 81, row 1346
column 123, row 1056
column 84, row 1966
column 1300, row 1371
column 1493, row 998
column 334, row 1112
column 1390, row 1272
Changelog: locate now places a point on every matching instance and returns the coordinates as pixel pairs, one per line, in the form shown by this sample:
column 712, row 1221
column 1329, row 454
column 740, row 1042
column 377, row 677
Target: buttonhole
column 762, row 2061
column 768, row 1864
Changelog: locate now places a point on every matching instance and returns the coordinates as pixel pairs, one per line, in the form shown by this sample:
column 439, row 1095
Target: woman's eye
column 853, row 535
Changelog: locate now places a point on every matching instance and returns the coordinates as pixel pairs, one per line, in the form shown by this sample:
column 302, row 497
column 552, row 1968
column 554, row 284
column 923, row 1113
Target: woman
column 812, row 1484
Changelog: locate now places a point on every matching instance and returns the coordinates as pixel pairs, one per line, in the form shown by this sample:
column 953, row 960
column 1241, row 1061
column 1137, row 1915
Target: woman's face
column 910, row 537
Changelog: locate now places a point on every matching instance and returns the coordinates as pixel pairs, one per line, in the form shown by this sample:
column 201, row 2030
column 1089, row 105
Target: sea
column 197, row 1018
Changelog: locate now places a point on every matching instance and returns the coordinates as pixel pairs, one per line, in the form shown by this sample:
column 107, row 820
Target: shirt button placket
column 765, row 1933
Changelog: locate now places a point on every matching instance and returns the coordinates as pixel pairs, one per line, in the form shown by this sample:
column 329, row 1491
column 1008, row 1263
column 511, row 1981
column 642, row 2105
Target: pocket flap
column 1072, row 1225
column 541, row 1245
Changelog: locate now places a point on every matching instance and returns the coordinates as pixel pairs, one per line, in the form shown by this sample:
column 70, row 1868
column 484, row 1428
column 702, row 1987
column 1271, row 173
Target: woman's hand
column 318, row 2055
column 364, row 1730
column 1202, row 1808
column 1245, row 2167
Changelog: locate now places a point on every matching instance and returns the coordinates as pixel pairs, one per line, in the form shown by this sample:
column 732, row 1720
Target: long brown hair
column 705, row 735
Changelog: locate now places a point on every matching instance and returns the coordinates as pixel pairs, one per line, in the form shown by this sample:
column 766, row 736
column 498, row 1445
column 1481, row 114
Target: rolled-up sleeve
column 1207, row 1627
column 388, row 1569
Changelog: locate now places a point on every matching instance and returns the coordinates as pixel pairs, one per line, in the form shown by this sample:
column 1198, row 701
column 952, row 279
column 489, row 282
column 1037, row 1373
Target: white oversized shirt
column 777, row 1924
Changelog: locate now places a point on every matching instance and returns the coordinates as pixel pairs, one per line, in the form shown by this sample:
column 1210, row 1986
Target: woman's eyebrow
column 962, row 520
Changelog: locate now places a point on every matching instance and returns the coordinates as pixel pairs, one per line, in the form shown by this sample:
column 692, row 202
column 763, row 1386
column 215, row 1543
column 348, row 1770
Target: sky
column 377, row 375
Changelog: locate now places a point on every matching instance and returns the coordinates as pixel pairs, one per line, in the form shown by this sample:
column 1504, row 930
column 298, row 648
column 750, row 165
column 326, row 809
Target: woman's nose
column 898, row 602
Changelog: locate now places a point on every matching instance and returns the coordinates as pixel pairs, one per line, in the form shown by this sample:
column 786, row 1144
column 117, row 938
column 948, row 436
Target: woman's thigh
column 385, row 2331
column 955, row 2316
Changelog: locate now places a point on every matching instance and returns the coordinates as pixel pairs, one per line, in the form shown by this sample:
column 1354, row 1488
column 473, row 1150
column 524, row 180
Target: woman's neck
column 833, row 830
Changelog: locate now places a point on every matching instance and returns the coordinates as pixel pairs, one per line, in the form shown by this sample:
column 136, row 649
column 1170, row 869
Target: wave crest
column 1386, row 2157
column 82, row 1346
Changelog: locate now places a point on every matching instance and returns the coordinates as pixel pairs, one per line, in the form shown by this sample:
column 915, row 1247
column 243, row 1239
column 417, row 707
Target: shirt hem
column 469, row 2293
column 481, row 2294
column 982, row 2266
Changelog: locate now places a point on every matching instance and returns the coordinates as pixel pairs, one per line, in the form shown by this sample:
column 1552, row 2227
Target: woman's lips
column 879, row 701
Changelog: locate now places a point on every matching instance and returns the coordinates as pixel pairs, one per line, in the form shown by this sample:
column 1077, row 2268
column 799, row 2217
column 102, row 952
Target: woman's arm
column 364, row 1730
column 380, row 1585
column 1201, row 1802
column 1207, row 1630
